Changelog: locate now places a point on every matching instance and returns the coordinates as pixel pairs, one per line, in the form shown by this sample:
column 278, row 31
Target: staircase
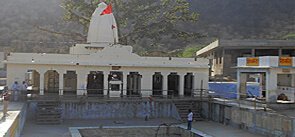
column 49, row 112
column 184, row 105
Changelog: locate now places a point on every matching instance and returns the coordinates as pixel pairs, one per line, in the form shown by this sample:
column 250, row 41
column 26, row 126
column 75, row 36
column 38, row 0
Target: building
column 223, row 54
column 275, row 74
column 103, row 68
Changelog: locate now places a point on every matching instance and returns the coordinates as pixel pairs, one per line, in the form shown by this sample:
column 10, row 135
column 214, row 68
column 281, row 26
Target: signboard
column 285, row 70
column 286, row 61
column 253, row 61
column 116, row 67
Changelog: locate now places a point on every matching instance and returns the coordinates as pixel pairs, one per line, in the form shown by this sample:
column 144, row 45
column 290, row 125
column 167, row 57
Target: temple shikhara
column 103, row 67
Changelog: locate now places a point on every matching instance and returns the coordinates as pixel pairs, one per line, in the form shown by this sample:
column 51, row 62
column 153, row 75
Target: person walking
column 189, row 119
column 6, row 97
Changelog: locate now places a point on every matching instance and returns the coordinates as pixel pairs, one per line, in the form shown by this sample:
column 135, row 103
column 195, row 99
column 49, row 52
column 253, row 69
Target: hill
column 226, row 19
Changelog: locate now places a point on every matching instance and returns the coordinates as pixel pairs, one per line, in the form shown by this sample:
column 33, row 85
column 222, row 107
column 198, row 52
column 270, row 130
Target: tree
column 153, row 20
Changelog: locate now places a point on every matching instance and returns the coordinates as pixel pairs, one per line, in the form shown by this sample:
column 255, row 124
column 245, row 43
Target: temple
column 101, row 67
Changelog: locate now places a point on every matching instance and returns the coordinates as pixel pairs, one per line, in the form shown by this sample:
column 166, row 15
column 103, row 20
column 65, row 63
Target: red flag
column 108, row 10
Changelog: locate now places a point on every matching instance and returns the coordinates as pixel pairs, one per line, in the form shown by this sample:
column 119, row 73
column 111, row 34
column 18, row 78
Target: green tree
column 190, row 51
column 155, row 20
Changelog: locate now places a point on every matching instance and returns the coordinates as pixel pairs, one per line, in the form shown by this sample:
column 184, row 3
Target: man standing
column 6, row 97
column 15, row 88
column 189, row 119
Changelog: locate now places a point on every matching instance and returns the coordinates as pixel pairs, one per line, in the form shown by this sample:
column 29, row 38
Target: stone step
column 49, row 112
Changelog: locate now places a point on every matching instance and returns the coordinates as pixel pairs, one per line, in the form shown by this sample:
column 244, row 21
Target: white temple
column 105, row 68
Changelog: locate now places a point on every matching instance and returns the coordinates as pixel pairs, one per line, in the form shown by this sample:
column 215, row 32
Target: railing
column 196, row 94
column 99, row 94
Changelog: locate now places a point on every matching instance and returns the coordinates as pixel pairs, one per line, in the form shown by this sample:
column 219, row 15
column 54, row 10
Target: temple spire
column 103, row 27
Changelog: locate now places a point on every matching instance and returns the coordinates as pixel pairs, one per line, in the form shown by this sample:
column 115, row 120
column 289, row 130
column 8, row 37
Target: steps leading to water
column 49, row 112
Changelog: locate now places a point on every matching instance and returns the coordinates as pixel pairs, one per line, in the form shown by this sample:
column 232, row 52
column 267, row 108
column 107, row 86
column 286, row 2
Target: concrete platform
column 14, row 109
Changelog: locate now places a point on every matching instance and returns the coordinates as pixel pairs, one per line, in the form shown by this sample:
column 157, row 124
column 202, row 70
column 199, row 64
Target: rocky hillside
column 228, row 19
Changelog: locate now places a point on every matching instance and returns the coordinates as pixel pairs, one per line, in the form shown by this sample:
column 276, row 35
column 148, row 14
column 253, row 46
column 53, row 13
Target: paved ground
column 210, row 128
column 219, row 130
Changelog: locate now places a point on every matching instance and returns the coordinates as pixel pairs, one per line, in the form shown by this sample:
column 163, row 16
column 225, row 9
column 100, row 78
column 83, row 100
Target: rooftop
column 247, row 44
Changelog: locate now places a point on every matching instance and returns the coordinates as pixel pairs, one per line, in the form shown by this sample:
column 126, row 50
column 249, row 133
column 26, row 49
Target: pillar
column 181, row 84
column 82, row 82
column 253, row 52
column 105, row 82
column 61, row 82
column 280, row 52
column 242, row 85
column 146, row 84
column 165, row 83
column 125, row 73
column 42, row 73
column 271, row 86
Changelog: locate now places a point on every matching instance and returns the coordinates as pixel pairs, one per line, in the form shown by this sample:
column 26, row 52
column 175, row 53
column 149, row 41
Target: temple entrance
column 248, row 82
column 115, row 84
column 51, row 82
column 70, row 83
column 173, row 84
column 95, row 83
column 188, row 84
column 157, row 84
column 33, row 81
column 134, row 84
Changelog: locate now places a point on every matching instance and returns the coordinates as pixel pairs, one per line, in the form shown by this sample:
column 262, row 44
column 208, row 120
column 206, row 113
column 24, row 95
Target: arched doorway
column 173, row 84
column 134, row 84
column 70, row 83
column 51, row 82
column 95, row 83
column 33, row 81
column 157, row 84
column 188, row 84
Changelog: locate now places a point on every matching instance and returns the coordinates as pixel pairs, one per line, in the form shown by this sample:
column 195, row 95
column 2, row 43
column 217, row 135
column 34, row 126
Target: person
column 23, row 88
column 15, row 89
column 6, row 97
column 189, row 119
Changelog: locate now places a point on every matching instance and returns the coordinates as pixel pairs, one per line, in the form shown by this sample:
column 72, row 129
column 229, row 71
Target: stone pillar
column 105, row 82
column 280, row 52
column 42, row 73
column 242, row 85
column 125, row 73
column 60, row 82
column 253, row 52
column 181, row 84
column 271, row 86
column 165, row 83
column 82, row 82
column 146, row 84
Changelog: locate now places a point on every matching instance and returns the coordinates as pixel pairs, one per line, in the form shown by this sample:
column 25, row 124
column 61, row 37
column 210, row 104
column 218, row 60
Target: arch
column 95, row 83
column 70, row 83
column 157, row 84
column 173, row 84
column 134, row 84
column 188, row 84
column 51, row 82
column 33, row 81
